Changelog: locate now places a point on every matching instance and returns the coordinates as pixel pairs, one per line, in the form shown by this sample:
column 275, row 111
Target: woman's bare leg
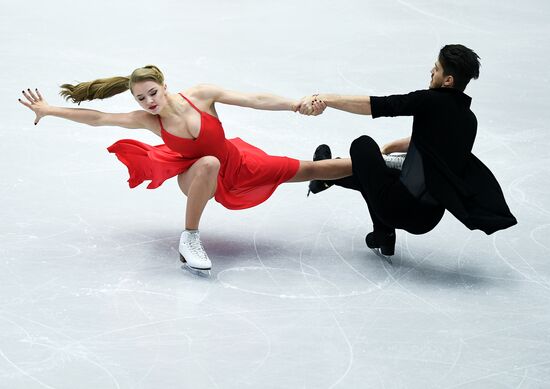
column 199, row 185
column 327, row 169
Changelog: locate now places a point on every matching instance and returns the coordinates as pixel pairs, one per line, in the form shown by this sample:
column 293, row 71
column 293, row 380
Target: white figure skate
column 192, row 253
column 395, row 160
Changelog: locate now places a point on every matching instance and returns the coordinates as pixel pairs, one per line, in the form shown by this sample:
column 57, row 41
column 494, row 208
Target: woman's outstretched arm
column 36, row 103
column 265, row 101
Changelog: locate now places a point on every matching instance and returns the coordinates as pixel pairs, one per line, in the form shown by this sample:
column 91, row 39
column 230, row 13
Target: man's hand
column 311, row 106
column 385, row 149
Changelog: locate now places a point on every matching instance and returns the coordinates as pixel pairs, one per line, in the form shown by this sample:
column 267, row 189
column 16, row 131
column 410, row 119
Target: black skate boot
column 383, row 244
column 316, row 186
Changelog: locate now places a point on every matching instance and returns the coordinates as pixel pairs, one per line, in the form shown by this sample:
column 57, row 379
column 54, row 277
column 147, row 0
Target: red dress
column 247, row 176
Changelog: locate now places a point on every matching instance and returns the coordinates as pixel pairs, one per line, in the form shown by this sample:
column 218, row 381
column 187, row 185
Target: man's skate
column 395, row 160
column 383, row 246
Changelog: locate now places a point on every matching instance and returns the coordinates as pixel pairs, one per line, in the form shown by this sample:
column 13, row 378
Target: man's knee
column 362, row 146
column 362, row 151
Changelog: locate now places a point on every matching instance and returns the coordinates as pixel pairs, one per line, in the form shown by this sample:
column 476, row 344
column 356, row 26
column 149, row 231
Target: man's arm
column 315, row 104
column 394, row 105
column 396, row 146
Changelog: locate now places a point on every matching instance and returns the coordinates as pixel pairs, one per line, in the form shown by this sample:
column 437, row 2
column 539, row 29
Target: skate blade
column 198, row 272
column 193, row 270
column 384, row 257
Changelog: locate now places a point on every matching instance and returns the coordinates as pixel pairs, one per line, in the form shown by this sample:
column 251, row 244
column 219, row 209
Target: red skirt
column 247, row 178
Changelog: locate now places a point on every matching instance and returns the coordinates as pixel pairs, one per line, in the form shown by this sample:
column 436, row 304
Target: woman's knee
column 205, row 167
column 208, row 165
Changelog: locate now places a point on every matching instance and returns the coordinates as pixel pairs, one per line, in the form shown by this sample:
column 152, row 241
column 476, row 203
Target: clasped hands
column 310, row 106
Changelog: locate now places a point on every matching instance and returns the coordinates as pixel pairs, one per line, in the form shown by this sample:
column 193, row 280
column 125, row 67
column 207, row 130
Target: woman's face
column 150, row 96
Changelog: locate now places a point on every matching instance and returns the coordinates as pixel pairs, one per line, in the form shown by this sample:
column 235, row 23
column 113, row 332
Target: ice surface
column 91, row 290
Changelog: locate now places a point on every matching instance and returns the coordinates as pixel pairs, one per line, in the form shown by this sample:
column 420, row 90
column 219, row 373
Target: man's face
column 437, row 76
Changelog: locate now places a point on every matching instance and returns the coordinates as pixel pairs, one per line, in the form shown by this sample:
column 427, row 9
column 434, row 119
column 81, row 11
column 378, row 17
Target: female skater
column 237, row 174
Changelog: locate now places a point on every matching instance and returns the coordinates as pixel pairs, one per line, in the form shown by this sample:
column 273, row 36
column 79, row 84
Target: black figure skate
column 383, row 245
column 316, row 186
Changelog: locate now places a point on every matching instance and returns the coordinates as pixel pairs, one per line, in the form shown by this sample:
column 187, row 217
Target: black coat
column 444, row 130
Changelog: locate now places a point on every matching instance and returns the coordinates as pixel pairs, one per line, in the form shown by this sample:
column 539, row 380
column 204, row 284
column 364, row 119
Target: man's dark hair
column 461, row 63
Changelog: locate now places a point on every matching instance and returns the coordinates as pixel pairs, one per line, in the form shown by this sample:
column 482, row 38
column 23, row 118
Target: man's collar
column 463, row 97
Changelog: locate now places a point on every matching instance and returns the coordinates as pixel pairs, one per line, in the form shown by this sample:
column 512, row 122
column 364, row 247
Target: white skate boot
column 192, row 253
column 395, row 161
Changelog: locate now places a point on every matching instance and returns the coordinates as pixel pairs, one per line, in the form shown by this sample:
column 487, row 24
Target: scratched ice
column 91, row 290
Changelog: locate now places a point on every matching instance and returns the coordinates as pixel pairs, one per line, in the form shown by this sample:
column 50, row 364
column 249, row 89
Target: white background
column 91, row 290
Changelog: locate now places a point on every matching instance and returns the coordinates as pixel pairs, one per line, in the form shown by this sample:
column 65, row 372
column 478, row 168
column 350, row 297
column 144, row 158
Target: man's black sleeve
column 399, row 105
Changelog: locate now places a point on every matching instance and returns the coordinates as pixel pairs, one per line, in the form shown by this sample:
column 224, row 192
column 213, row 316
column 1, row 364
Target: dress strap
column 160, row 122
column 192, row 105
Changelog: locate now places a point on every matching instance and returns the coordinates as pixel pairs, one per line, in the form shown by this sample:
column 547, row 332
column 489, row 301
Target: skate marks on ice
column 299, row 279
column 323, row 260
column 313, row 274
column 446, row 21
column 42, row 348
column 527, row 249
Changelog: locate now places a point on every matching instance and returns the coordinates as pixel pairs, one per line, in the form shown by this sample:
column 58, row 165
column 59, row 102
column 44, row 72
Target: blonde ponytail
column 97, row 89
column 107, row 87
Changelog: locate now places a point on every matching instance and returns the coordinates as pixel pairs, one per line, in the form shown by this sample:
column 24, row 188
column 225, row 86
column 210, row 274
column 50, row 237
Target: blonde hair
column 107, row 87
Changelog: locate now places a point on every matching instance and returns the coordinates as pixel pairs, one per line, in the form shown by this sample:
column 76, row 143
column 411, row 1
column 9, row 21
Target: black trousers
column 390, row 204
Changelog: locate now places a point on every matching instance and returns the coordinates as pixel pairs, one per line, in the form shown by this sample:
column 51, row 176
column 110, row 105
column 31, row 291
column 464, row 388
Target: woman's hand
column 318, row 106
column 311, row 105
column 36, row 103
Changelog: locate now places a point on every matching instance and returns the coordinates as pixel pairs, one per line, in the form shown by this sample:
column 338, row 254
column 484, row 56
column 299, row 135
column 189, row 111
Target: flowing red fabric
column 247, row 177
column 145, row 162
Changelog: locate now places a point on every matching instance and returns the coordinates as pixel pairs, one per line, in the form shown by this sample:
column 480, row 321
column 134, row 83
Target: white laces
column 195, row 244
column 395, row 161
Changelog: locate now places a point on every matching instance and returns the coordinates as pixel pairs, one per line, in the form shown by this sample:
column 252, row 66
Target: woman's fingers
column 318, row 107
column 24, row 103
column 34, row 102
column 31, row 96
column 35, row 97
column 28, row 97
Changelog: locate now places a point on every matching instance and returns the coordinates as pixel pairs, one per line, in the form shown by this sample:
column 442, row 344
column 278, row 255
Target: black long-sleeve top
column 444, row 130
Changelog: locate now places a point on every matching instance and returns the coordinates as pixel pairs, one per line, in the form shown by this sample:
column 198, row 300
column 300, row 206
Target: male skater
column 439, row 172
